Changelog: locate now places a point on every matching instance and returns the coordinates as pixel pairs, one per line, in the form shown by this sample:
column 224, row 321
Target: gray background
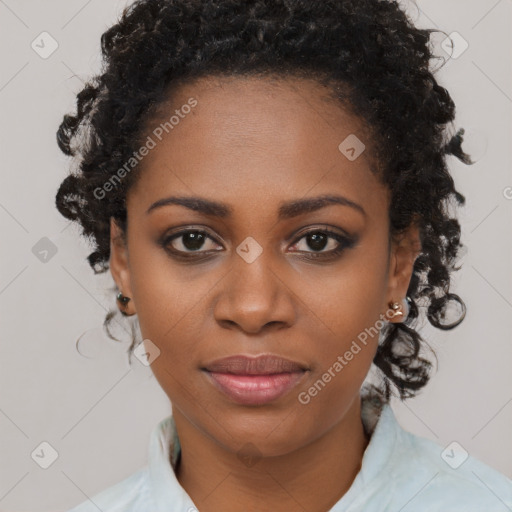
column 96, row 411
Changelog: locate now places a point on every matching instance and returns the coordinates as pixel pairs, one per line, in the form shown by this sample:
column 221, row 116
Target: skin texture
column 252, row 144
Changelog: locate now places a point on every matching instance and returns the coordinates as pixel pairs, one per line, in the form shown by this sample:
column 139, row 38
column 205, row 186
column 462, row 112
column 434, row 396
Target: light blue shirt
column 400, row 472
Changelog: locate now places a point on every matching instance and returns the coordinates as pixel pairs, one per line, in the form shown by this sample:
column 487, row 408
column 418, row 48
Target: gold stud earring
column 396, row 309
column 401, row 308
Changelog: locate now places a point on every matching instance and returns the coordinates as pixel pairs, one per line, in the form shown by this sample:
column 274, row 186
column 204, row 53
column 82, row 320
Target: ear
column 405, row 248
column 119, row 267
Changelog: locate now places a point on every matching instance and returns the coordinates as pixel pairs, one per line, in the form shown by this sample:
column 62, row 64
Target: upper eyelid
column 321, row 228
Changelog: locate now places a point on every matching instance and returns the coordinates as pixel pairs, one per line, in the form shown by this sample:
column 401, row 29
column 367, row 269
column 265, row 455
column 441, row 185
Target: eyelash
column 344, row 243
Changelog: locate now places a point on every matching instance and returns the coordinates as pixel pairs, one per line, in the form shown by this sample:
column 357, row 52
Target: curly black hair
column 375, row 61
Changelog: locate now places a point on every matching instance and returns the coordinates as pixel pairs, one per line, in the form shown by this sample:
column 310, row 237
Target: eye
column 192, row 244
column 325, row 243
column 189, row 241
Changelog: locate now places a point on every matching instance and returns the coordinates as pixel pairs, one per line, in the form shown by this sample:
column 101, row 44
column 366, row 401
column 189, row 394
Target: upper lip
column 249, row 365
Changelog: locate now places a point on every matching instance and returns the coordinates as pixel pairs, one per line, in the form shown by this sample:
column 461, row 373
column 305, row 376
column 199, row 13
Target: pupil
column 193, row 240
column 317, row 241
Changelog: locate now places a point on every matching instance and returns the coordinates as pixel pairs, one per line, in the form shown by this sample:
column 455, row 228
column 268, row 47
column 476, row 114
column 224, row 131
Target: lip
column 253, row 380
column 265, row 364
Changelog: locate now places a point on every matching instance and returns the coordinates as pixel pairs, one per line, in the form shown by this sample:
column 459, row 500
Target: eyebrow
column 287, row 210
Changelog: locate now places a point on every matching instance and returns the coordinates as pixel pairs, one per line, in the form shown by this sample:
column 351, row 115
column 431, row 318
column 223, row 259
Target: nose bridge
column 253, row 294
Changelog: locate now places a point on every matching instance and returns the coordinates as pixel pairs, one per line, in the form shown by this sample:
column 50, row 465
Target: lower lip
column 255, row 389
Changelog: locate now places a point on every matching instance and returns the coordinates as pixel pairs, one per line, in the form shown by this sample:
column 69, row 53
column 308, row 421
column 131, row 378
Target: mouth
column 254, row 380
column 255, row 389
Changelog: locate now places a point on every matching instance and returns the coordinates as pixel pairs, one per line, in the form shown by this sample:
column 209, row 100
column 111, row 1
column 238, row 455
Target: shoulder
column 428, row 475
column 129, row 495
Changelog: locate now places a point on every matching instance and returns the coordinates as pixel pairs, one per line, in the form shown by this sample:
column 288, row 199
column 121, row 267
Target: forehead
column 248, row 138
column 257, row 109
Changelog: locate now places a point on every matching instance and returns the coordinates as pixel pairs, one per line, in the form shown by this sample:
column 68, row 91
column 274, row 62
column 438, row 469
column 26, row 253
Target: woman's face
column 265, row 278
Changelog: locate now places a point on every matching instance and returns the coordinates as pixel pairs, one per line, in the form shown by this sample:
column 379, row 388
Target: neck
column 313, row 477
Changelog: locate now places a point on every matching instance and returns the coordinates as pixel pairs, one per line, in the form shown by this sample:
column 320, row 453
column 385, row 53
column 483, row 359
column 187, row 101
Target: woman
column 266, row 182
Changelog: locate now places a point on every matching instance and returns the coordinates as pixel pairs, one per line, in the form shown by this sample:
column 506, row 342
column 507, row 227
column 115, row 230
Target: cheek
column 348, row 308
column 165, row 293
column 172, row 308
column 348, row 298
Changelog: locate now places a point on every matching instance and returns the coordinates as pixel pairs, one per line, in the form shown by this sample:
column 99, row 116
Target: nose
column 254, row 297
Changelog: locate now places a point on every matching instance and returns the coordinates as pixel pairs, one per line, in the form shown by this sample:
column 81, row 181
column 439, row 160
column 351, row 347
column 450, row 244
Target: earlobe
column 405, row 249
column 120, row 270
